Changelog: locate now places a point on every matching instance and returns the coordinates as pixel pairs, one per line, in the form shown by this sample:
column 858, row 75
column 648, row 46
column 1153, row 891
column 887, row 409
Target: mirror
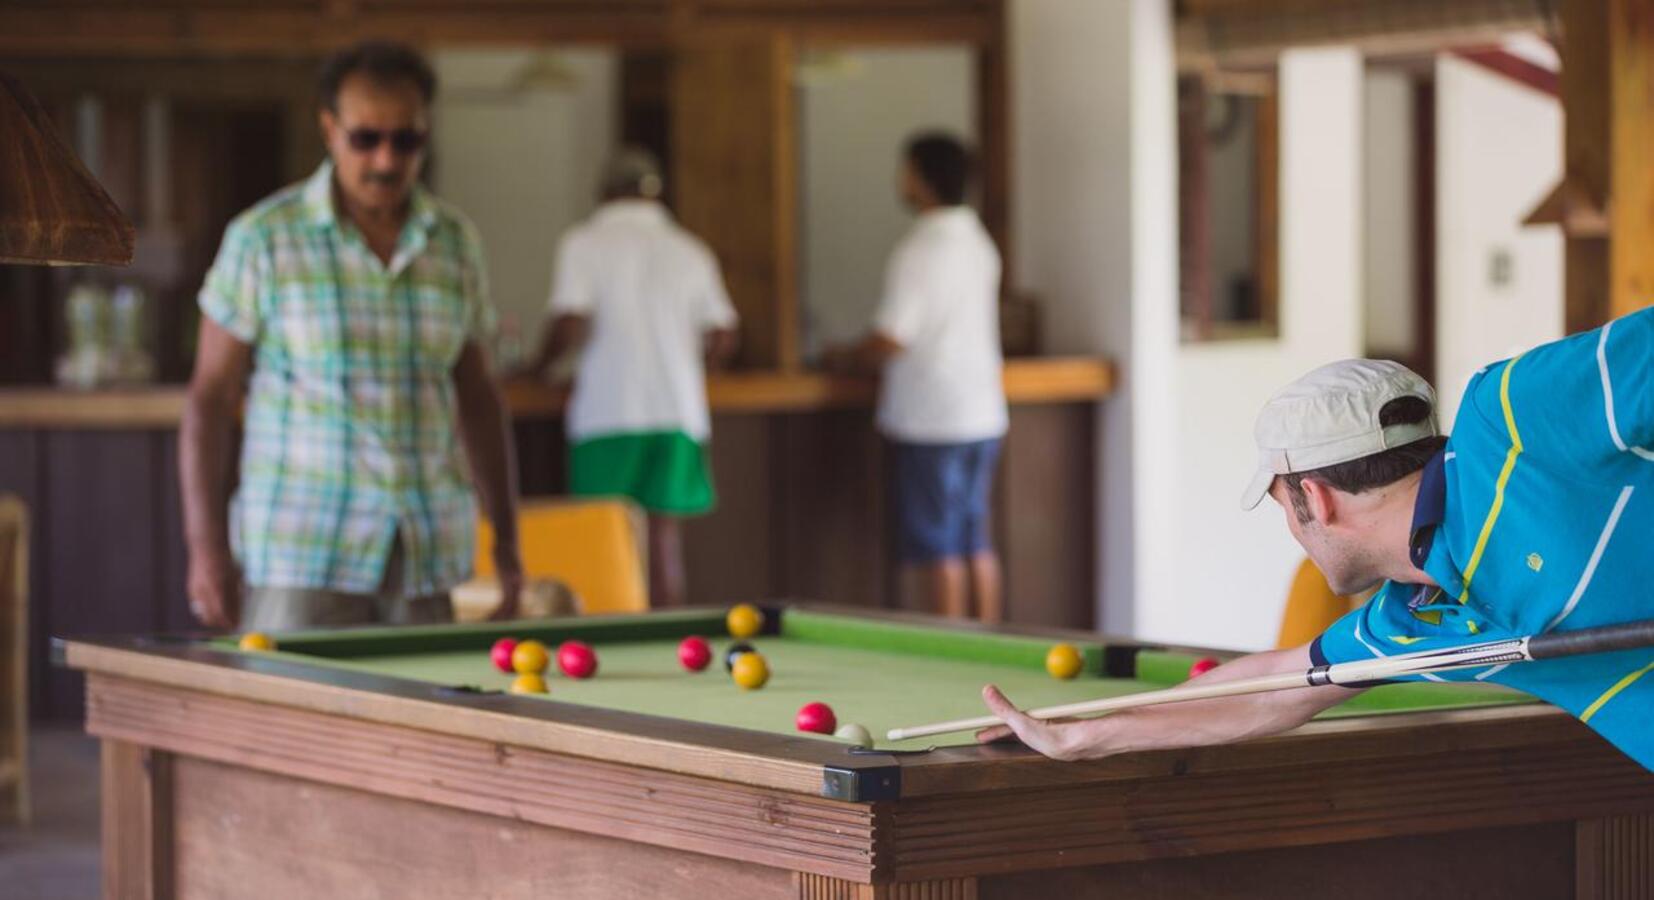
column 857, row 106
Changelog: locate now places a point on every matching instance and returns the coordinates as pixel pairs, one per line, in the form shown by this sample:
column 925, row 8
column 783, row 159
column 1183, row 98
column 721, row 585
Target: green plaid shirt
column 350, row 434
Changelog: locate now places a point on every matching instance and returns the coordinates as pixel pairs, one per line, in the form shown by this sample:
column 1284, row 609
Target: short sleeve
column 1388, row 625
column 480, row 317
column 901, row 312
column 573, row 291
column 231, row 293
column 713, row 308
column 1624, row 351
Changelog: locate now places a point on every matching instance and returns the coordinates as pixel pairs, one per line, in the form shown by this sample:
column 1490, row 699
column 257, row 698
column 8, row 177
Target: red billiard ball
column 576, row 659
column 817, row 718
column 501, row 654
column 1202, row 666
column 694, row 653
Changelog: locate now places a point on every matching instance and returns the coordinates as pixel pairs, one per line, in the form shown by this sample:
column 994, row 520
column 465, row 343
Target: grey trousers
column 295, row 609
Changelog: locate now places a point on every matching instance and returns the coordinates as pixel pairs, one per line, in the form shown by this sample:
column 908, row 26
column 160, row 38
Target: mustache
column 388, row 179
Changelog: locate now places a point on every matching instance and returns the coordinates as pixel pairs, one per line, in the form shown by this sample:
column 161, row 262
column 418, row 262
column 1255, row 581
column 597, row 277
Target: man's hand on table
column 214, row 586
column 1064, row 739
column 508, row 569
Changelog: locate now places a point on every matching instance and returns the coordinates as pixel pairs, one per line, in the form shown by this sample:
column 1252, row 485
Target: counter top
column 1027, row 381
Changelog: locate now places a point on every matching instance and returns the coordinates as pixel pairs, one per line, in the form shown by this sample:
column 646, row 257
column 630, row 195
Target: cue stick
column 1604, row 639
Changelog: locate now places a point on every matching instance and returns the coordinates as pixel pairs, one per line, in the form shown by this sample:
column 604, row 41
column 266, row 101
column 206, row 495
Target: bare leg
column 985, row 585
column 666, row 576
column 938, row 586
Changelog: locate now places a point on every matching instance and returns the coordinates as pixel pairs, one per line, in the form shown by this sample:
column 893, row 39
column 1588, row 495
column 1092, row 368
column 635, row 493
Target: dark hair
column 386, row 62
column 1368, row 472
column 943, row 163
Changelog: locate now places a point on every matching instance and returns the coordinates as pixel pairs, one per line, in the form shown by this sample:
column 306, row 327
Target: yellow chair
column 14, row 694
column 598, row 547
column 1311, row 606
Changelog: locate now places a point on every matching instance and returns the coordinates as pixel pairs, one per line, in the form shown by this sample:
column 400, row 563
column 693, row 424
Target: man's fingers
column 1036, row 734
column 994, row 733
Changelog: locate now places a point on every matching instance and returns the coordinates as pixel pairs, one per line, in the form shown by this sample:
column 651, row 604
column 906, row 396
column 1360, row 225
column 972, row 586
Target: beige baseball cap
column 1330, row 416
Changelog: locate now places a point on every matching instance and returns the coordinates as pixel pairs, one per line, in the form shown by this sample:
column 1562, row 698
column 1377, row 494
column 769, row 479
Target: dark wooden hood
column 51, row 209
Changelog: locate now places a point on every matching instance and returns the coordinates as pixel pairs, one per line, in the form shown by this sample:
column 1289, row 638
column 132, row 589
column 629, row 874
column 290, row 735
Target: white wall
column 1390, row 203
column 1211, row 573
column 523, row 163
column 1093, row 195
column 1498, row 152
column 857, row 108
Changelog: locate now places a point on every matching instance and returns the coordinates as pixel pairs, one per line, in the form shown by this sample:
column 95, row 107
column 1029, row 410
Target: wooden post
column 1608, row 99
column 734, row 174
column 1630, row 58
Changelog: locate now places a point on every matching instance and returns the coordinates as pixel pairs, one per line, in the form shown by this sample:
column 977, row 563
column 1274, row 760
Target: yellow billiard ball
column 1063, row 661
column 528, row 683
column 744, row 620
column 530, row 657
column 256, row 640
column 750, row 671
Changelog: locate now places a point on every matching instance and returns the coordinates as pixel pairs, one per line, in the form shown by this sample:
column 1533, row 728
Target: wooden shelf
column 1027, row 381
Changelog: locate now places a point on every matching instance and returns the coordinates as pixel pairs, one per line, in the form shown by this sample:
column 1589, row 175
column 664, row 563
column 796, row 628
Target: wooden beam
column 1631, row 122
column 734, row 175
column 1522, row 71
column 114, row 28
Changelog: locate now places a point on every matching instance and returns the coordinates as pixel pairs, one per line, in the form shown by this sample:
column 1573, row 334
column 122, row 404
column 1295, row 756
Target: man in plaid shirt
column 351, row 309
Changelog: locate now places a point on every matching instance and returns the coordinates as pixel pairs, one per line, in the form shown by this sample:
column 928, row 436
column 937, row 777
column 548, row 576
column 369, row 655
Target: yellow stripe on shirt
column 1499, row 487
column 1608, row 695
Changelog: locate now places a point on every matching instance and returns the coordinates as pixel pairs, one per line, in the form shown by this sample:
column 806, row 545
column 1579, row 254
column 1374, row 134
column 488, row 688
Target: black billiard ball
column 735, row 650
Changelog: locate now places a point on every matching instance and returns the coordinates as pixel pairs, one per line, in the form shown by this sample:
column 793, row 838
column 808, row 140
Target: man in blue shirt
column 1536, row 515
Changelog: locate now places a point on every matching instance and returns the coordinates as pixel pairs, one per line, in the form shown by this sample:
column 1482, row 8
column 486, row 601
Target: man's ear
column 1323, row 502
column 327, row 122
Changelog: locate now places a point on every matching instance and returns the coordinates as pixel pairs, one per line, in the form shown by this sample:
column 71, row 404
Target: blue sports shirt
column 1538, row 516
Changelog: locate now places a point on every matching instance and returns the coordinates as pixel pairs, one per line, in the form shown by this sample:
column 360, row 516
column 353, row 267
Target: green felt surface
column 874, row 672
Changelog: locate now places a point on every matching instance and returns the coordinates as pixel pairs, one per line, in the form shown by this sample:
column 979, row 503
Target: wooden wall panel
column 834, row 512
column 1047, row 541
column 735, row 180
column 103, row 496
column 731, row 555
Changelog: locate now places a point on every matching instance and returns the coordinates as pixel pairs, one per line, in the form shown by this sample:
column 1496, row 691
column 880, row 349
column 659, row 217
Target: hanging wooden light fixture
column 52, row 211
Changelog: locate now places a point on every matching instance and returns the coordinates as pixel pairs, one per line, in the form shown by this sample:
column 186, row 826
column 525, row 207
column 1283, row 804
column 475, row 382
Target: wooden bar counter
column 798, row 467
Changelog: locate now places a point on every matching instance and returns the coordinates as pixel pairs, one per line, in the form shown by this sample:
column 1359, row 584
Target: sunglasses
column 403, row 140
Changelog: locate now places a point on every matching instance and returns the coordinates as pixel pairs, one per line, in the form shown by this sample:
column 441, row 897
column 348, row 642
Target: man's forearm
column 1223, row 720
column 484, row 428
column 203, row 470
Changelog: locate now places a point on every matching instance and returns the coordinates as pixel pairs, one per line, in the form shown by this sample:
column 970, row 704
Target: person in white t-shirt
column 935, row 339
column 645, row 302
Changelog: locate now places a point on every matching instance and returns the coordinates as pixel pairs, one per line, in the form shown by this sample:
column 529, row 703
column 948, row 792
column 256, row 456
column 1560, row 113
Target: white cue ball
column 855, row 734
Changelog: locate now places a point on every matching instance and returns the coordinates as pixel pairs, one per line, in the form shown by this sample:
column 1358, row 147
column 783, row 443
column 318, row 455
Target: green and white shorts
column 665, row 472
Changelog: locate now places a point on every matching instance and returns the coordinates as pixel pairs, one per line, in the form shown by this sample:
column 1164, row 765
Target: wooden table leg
column 821, row 887
column 137, row 822
column 1614, row 858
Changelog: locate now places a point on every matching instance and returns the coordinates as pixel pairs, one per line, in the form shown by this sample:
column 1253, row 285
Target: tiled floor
column 56, row 857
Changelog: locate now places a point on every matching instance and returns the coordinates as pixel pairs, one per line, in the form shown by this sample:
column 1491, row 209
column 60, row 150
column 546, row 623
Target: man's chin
column 381, row 195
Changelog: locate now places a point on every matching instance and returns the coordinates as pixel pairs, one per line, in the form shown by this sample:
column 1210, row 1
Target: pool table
column 389, row 762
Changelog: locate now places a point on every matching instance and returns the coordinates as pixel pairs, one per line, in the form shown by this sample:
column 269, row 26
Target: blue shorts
column 940, row 495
